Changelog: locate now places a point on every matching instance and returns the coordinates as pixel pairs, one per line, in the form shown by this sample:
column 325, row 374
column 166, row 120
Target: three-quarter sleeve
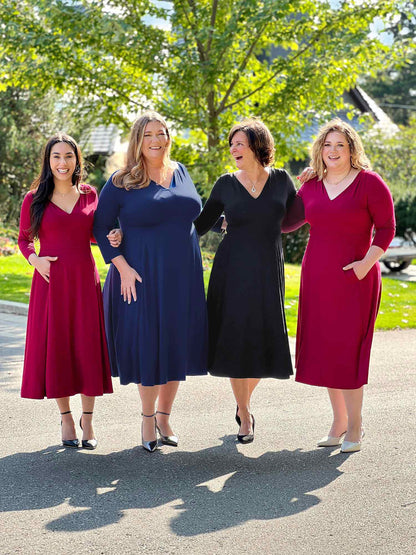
column 25, row 240
column 211, row 212
column 106, row 214
column 381, row 208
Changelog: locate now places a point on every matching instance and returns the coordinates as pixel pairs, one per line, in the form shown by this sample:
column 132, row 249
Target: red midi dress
column 66, row 350
column 337, row 311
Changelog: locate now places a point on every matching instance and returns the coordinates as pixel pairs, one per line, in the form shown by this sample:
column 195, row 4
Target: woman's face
column 243, row 156
column 155, row 142
column 336, row 153
column 62, row 161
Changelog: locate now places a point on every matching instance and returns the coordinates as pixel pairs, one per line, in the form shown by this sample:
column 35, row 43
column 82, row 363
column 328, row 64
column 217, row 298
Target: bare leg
column 68, row 426
column 148, row 395
column 86, row 419
column 252, row 383
column 339, row 409
column 354, row 403
column 167, row 396
column 242, row 390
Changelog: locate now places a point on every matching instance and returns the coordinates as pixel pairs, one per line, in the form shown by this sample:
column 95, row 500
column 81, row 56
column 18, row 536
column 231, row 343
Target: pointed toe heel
column 72, row 443
column 149, row 446
column 248, row 438
column 172, row 440
column 90, row 444
column 352, row 446
column 331, row 441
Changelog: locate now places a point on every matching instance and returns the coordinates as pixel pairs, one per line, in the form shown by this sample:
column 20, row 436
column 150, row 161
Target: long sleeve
column 104, row 218
column 211, row 212
column 25, row 240
column 381, row 208
column 295, row 215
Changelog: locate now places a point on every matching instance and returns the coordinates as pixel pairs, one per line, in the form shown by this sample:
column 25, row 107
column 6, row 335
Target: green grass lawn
column 397, row 310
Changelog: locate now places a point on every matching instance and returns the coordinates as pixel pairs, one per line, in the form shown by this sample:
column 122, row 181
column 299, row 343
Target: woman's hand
column 128, row 277
column 115, row 237
column 224, row 226
column 359, row 268
column 307, row 174
column 42, row 264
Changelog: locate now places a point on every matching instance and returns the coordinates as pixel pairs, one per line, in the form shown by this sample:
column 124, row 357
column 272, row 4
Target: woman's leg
column 68, row 426
column 339, row 409
column 354, row 403
column 167, row 394
column 242, row 392
column 252, row 384
column 86, row 419
column 148, row 395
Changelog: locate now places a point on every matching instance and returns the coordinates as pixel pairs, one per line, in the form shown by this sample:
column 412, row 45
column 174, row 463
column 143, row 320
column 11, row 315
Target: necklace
column 252, row 184
column 337, row 182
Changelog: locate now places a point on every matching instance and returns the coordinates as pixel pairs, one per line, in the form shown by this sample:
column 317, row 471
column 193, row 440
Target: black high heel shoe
column 237, row 418
column 166, row 440
column 248, row 438
column 74, row 443
column 88, row 443
column 150, row 446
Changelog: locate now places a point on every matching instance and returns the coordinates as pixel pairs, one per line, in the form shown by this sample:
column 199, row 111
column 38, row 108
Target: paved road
column 281, row 494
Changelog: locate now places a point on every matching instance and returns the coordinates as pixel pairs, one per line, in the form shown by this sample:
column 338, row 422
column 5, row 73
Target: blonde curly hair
column 358, row 158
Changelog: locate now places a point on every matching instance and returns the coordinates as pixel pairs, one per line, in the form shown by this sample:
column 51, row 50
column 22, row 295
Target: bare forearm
column 374, row 253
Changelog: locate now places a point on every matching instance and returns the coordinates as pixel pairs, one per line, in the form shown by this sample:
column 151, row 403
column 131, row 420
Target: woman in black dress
column 247, row 328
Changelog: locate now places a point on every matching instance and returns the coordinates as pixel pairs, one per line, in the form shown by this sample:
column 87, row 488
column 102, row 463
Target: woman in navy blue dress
column 154, row 298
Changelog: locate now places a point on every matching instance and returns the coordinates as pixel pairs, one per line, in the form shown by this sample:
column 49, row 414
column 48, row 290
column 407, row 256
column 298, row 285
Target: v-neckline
column 170, row 184
column 247, row 191
column 342, row 192
column 62, row 209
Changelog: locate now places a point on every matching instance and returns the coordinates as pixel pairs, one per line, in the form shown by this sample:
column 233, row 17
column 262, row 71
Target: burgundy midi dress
column 337, row 311
column 66, row 350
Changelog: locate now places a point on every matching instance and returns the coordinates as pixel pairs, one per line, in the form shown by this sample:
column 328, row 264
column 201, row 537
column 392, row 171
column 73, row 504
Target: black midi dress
column 247, row 326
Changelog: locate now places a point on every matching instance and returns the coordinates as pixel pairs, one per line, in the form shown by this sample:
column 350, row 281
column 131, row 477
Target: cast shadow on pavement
column 101, row 487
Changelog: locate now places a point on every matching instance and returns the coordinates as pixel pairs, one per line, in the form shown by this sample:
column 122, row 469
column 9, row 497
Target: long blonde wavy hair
column 134, row 175
column 358, row 157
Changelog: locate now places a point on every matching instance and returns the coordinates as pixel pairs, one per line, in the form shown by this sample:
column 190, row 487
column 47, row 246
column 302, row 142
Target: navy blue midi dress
column 162, row 336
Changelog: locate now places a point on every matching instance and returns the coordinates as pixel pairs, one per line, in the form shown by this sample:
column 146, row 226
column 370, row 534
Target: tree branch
column 240, row 69
column 212, row 24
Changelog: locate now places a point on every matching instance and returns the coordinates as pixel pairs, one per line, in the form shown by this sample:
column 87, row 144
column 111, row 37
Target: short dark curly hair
column 260, row 139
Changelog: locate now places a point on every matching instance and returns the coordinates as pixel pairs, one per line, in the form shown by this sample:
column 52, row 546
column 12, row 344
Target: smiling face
column 243, row 156
column 62, row 160
column 155, row 142
column 336, row 153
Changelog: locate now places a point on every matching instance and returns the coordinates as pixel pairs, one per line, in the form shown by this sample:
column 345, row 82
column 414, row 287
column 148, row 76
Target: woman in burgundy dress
column 341, row 280
column 66, row 351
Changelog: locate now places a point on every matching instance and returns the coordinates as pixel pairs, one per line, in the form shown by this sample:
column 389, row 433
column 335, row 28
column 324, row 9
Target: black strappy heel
column 166, row 440
column 150, row 446
column 88, row 443
column 74, row 443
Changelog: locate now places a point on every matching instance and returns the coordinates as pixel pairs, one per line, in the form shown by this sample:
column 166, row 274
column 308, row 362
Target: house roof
column 104, row 139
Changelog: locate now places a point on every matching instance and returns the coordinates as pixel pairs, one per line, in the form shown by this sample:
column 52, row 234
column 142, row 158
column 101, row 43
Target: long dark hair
column 44, row 185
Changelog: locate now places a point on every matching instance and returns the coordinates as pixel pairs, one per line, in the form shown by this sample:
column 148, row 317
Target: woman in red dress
column 66, row 351
column 341, row 280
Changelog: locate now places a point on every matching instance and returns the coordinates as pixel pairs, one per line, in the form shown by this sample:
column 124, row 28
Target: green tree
column 394, row 86
column 27, row 120
column 212, row 62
